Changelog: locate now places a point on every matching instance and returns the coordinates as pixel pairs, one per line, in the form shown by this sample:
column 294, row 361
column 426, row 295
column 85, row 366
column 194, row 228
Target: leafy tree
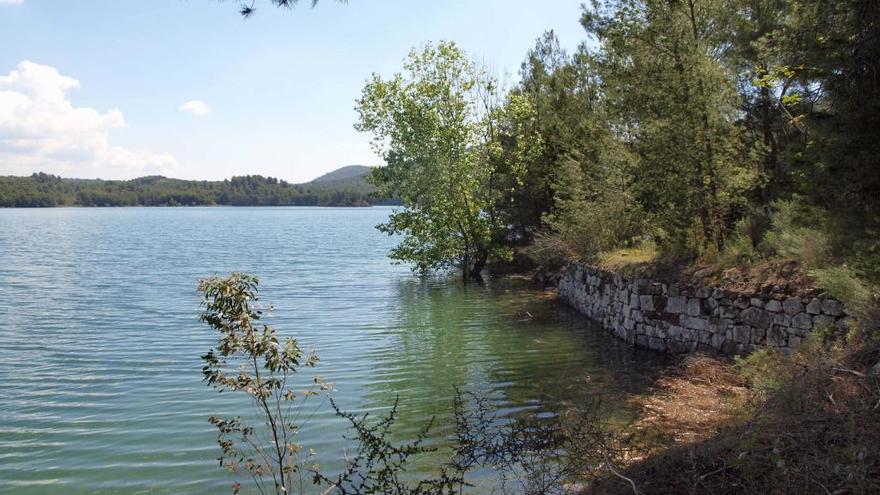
column 429, row 127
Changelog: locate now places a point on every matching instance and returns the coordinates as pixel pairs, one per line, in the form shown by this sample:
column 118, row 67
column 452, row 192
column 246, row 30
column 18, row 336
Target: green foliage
column 43, row 190
column 250, row 359
column 763, row 370
column 798, row 232
column 688, row 123
column 842, row 282
column 380, row 466
column 428, row 126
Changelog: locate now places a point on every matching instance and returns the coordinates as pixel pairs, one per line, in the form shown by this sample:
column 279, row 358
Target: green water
column 100, row 382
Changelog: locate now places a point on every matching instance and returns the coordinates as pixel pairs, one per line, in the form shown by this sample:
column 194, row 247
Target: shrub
column 798, row 232
column 763, row 370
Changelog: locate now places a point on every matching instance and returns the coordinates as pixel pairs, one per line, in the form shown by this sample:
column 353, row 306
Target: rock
column 773, row 306
column 704, row 292
column 776, row 336
column 875, row 370
column 694, row 307
column 742, row 303
column 711, row 304
column 756, row 302
column 646, row 303
column 832, row 307
column 756, row 317
column 783, row 320
column 656, row 343
column 742, row 333
column 694, row 323
column 758, row 335
column 718, row 325
column 634, row 301
column 660, row 303
column 728, row 312
column 814, row 307
column 792, row 306
column 676, row 305
column 802, row 321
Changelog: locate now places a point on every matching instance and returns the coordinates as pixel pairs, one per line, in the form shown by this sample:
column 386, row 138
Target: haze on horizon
column 189, row 89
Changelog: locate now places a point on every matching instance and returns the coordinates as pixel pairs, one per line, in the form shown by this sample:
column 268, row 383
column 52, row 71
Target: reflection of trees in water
column 502, row 342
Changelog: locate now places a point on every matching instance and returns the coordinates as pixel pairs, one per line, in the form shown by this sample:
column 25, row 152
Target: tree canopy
column 428, row 125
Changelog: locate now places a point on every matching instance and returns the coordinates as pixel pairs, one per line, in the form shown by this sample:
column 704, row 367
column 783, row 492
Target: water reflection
column 504, row 341
column 100, row 382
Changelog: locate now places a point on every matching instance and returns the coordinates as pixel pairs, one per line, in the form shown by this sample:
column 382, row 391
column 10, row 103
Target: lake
column 100, row 375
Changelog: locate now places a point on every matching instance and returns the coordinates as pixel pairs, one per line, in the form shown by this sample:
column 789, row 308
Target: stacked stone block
column 676, row 319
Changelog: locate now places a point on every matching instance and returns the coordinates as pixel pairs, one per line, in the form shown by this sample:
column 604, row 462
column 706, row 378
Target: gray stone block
column 694, row 307
column 676, row 305
column 742, row 333
column 728, row 312
column 802, row 321
column 773, row 306
column 814, row 307
column 777, row 336
column 832, row 307
column 756, row 317
column 694, row 323
column 792, row 306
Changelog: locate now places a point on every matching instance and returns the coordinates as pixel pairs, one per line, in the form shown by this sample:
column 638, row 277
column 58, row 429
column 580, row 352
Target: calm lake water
column 100, row 376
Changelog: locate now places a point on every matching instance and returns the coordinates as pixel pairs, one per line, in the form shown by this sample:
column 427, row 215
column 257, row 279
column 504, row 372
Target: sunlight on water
column 100, row 381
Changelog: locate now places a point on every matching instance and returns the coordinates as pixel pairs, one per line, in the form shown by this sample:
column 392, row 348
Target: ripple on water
column 100, row 377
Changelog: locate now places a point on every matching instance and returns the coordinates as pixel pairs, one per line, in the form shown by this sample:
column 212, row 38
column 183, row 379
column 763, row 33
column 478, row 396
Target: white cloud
column 195, row 107
column 11, row 1
column 41, row 130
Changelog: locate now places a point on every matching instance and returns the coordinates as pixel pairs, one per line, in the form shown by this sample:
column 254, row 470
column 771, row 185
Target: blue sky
column 103, row 92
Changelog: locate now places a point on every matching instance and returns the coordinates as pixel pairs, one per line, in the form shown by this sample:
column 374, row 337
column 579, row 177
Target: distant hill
column 344, row 173
column 346, row 186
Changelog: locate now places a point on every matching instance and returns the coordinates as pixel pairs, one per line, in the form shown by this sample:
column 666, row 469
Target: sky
column 189, row 89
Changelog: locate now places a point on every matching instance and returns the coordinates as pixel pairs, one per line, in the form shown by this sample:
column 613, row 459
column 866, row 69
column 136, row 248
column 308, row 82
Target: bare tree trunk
column 477, row 269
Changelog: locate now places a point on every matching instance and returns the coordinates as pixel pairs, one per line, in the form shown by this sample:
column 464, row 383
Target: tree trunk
column 479, row 263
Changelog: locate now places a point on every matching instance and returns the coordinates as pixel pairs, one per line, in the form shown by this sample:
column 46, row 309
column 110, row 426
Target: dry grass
column 698, row 398
column 629, row 261
column 818, row 433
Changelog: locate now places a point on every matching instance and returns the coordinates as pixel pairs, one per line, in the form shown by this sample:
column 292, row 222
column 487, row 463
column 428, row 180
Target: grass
column 631, row 260
column 808, row 423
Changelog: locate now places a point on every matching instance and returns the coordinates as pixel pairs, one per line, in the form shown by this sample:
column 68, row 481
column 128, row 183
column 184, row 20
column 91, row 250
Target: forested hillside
column 347, row 188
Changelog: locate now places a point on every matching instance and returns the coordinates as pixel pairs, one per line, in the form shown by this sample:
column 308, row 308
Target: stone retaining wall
column 672, row 318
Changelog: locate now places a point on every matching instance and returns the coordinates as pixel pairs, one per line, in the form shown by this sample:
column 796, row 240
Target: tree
column 248, row 8
column 661, row 63
column 429, row 127
column 251, row 360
